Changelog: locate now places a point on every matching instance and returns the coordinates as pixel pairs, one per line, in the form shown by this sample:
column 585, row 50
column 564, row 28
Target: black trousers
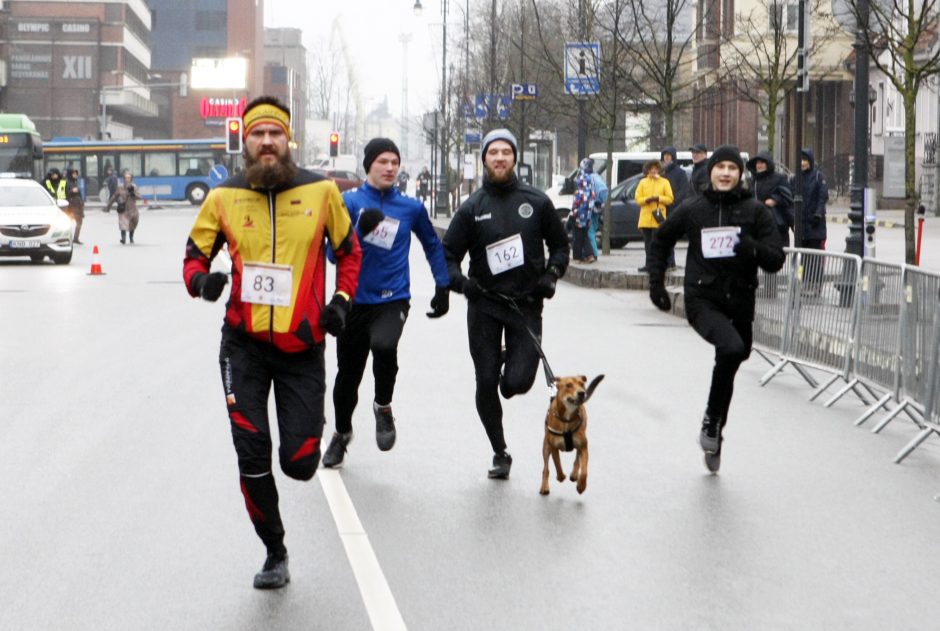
column 732, row 337
column 487, row 323
column 249, row 368
column 369, row 328
column 581, row 248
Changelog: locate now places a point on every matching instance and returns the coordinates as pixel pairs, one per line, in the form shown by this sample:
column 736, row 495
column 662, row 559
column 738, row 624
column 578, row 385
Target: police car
column 32, row 223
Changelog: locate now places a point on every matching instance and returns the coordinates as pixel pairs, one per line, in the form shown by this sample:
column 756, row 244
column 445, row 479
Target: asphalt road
column 122, row 511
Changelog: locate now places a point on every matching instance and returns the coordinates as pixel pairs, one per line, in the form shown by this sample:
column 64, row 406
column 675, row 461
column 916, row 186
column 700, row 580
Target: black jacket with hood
column 726, row 283
column 678, row 180
column 815, row 197
column 772, row 185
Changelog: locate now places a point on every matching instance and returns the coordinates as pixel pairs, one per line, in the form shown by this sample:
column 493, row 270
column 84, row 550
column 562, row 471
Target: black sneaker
column 337, row 449
column 274, row 574
column 384, row 426
column 502, row 463
column 710, row 439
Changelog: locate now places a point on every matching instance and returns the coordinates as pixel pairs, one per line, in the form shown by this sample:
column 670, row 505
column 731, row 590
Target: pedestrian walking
column 815, row 198
column 583, row 206
column 124, row 201
column 274, row 219
column 505, row 227
column 402, row 181
column 76, row 207
column 423, row 183
column 730, row 235
column 601, row 192
column 385, row 218
column 698, row 181
column 55, row 184
column 653, row 194
column 678, row 182
column 773, row 190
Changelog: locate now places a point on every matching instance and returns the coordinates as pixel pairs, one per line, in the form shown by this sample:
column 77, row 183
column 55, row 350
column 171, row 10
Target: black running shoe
column 384, row 427
column 274, row 574
column 502, row 463
column 710, row 439
column 337, row 449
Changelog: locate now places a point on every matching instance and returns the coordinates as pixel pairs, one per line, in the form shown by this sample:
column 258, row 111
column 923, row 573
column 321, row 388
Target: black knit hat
column 725, row 152
column 375, row 147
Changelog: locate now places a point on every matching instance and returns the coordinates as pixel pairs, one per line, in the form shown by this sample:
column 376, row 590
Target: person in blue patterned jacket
column 384, row 219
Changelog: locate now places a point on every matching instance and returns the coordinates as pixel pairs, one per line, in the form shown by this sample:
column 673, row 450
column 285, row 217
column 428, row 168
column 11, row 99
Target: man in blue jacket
column 384, row 220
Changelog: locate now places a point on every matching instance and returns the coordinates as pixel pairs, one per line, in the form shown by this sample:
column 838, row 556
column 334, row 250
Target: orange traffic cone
column 95, row 265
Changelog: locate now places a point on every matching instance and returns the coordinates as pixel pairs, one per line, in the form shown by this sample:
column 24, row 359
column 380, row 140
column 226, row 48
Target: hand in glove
column 440, row 303
column 746, row 248
column 210, row 286
column 333, row 316
column 545, row 286
column 815, row 220
column 369, row 219
column 660, row 297
column 472, row 290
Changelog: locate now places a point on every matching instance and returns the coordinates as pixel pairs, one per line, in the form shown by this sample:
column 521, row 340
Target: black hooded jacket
column 728, row 282
column 775, row 186
column 499, row 211
column 678, row 180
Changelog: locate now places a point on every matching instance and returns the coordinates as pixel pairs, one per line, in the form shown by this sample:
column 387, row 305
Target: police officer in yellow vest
column 55, row 184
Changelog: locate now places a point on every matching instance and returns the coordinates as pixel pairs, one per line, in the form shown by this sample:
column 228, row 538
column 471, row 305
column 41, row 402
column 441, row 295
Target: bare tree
column 326, row 76
column 761, row 54
column 902, row 38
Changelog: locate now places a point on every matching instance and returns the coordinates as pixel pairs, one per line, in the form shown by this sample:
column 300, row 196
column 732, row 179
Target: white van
column 625, row 164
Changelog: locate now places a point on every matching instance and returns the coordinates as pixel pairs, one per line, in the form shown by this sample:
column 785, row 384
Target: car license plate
column 35, row 243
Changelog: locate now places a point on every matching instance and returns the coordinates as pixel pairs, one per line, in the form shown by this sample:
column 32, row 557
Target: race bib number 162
column 505, row 254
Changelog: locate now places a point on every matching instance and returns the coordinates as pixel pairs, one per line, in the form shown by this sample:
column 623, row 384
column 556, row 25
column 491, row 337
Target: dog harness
column 568, row 436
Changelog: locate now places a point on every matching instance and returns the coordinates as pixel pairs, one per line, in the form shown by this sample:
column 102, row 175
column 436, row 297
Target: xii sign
column 77, row 67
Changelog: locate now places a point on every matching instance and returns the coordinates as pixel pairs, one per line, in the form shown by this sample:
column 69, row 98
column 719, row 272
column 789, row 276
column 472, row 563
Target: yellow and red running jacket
column 284, row 226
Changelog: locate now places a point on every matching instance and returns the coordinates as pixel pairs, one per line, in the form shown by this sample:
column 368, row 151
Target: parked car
column 32, row 223
column 344, row 179
column 624, row 214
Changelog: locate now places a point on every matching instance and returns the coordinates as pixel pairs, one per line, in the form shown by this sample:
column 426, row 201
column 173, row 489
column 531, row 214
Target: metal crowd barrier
column 874, row 325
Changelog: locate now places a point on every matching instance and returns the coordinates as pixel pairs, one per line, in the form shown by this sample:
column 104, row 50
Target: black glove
column 545, row 286
column 333, row 316
column 210, row 286
column 746, row 248
column 369, row 219
column 660, row 296
column 815, row 220
column 472, row 290
column 440, row 303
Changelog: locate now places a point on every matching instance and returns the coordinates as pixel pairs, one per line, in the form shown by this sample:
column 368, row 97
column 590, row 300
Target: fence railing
column 871, row 324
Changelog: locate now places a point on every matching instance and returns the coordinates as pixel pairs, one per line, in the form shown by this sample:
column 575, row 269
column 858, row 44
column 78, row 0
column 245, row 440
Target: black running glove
column 440, row 303
column 746, row 248
column 369, row 219
column 471, row 289
column 333, row 316
column 545, row 286
column 210, row 286
column 660, row 297
column 815, row 220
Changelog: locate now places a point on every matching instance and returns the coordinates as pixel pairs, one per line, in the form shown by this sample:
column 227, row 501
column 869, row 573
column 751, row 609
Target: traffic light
column 334, row 144
column 233, row 135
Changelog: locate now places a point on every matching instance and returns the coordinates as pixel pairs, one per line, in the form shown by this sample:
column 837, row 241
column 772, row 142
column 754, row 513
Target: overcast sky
column 372, row 30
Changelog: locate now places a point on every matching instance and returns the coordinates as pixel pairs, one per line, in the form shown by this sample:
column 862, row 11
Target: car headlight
column 62, row 227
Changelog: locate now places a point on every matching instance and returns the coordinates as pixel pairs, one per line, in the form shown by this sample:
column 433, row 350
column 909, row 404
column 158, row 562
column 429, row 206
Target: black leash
column 549, row 375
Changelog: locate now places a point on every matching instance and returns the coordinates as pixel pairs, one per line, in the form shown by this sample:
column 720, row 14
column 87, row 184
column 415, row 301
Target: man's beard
column 270, row 176
column 499, row 179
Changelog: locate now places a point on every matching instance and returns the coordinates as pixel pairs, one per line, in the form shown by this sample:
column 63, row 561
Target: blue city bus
column 20, row 147
column 162, row 169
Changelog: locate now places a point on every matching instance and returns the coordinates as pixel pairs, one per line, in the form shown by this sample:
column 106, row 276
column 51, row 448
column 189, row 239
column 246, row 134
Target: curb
column 880, row 223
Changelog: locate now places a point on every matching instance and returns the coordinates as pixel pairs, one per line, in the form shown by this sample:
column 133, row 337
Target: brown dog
column 566, row 428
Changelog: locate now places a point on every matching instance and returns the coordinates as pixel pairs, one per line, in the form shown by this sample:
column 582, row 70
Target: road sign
column 525, row 91
column 485, row 104
column 472, row 137
column 218, row 174
column 582, row 68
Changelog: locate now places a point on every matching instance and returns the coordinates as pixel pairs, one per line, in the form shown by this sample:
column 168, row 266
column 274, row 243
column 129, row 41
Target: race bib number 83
column 718, row 243
column 267, row 284
column 505, row 254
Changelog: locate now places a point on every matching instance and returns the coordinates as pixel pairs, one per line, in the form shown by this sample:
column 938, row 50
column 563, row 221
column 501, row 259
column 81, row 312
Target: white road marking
column 376, row 594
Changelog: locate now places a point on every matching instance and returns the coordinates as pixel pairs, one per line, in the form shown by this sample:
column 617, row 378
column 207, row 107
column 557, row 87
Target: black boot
column 123, row 236
column 131, row 235
column 502, row 463
column 274, row 574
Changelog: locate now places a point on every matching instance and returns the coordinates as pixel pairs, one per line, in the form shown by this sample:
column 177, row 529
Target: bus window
column 195, row 164
column 91, row 175
column 157, row 164
column 129, row 162
column 64, row 161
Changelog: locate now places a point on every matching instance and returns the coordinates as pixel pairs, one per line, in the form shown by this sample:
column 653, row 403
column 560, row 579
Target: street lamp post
column 442, row 203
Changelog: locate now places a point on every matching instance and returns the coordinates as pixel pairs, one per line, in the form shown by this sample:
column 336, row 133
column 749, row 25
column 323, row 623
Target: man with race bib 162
column 385, row 218
column 730, row 236
column 505, row 227
column 275, row 219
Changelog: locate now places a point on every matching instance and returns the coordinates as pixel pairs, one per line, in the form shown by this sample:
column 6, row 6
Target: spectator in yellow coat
column 653, row 194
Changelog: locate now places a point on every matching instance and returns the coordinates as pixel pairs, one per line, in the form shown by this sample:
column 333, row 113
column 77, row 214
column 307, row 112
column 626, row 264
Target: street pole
column 445, row 172
column 802, row 86
column 854, row 242
column 582, row 104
